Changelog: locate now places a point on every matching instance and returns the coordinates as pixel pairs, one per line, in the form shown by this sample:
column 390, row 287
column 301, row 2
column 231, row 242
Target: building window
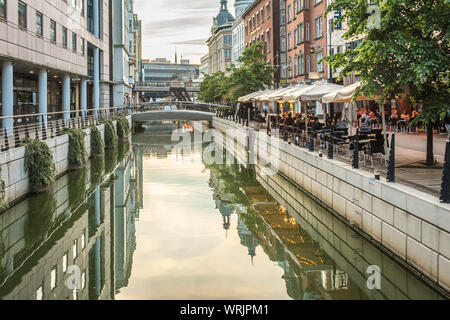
column 268, row 41
column 227, row 53
column 75, row 248
column 268, row 10
column 82, row 7
column 289, row 13
column 301, row 64
column 64, row 37
column 53, row 279
column 227, row 39
column 39, row 26
column 307, row 32
column 290, row 67
column 83, row 240
column 319, row 32
column 296, row 65
column 82, row 46
column 74, row 42
column 22, row 9
column 300, row 33
column 308, row 64
column 52, row 30
column 90, row 15
column 289, row 41
column 65, row 262
column 3, row 9
column 40, row 290
column 319, row 64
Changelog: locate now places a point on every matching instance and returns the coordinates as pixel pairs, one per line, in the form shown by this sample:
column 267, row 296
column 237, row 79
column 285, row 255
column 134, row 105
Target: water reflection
column 151, row 221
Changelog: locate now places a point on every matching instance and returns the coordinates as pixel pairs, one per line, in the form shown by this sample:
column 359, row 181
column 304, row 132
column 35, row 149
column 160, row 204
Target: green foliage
column 407, row 52
column 39, row 164
column 253, row 74
column 40, row 217
column 77, row 187
column 110, row 135
column 77, row 148
column 97, row 145
column 123, row 127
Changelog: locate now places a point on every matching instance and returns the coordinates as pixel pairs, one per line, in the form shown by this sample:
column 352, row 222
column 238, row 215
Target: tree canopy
column 252, row 74
column 404, row 49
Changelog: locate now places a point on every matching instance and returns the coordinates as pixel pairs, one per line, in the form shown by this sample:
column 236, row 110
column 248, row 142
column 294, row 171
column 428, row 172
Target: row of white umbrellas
column 322, row 91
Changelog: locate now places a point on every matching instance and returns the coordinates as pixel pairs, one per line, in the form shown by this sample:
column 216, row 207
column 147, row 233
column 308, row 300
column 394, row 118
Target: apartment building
column 262, row 23
column 54, row 56
column 306, row 40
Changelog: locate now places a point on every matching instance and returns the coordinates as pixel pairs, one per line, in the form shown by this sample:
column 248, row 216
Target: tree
column 214, row 88
column 253, row 74
column 404, row 49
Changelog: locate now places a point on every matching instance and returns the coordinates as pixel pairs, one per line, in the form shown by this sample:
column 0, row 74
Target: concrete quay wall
column 411, row 224
column 13, row 169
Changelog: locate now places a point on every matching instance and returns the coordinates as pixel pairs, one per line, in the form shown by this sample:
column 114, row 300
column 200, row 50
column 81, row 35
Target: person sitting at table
column 394, row 119
column 404, row 115
column 290, row 120
column 341, row 124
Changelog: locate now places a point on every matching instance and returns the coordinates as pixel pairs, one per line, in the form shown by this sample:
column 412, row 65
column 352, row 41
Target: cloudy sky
column 182, row 25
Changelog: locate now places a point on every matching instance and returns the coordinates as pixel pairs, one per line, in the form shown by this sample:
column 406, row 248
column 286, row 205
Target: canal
column 152, row 221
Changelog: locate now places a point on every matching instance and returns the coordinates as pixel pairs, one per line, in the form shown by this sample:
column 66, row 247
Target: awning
column 277, row 95
column 317, row 91
column 247, row 97
column 260, row 95
column 294, row 93
column 345, row 94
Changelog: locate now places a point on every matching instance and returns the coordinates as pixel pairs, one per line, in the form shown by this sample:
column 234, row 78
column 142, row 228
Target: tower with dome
column 220, row 42
column 240, row 6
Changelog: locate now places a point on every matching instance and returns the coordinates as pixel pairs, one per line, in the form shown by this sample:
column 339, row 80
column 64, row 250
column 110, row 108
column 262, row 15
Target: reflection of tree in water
column 39, row 220
column 77, row 187
column 97, row 167
column 110, row 160
column 122, row 150
column 233, row 177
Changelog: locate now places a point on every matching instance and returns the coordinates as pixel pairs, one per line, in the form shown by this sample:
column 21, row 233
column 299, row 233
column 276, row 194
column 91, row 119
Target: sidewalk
column 410, row 156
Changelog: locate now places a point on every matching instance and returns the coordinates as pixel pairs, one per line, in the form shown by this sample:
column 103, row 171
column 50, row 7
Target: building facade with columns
column 54, row 56
column 220, row 43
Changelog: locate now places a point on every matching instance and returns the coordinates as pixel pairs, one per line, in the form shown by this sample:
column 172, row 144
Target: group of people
column 312, row 122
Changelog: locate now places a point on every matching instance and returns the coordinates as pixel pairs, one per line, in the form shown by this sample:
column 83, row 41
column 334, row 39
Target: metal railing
column 44, row 126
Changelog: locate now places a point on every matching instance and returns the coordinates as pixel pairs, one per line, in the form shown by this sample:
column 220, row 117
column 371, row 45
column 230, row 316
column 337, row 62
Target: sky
column 181, row 25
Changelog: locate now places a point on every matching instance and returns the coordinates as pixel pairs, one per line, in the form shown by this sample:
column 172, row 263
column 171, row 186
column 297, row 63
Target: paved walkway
column 410, row 161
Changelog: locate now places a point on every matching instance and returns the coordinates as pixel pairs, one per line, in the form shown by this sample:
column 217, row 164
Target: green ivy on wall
column 123, row 127
column 77, row 148
column 39, row 164
column 97, row 144
column 110, row 135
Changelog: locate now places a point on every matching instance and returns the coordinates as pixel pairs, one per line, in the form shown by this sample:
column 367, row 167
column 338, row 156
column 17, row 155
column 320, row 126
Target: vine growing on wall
column 39, row 164
column 77, row 149
column 97, row 144
column 123, row 127
column 110, row 135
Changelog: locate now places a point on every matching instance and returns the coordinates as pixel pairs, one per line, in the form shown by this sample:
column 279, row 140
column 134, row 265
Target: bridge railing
column 43, row 126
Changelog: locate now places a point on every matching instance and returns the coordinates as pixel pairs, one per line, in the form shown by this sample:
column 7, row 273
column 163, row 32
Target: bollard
column 377, row 174
column 445, row 187
column 311, row 141
column 27, row 132
column 391, row 165
column 330, row 149
column 355, row 163
column 5, row 134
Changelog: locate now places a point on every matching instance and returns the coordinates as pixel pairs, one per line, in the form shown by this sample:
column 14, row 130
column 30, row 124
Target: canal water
column 153, row 221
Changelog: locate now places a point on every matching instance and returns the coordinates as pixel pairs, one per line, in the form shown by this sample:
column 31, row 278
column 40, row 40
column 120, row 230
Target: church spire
column 223, row 5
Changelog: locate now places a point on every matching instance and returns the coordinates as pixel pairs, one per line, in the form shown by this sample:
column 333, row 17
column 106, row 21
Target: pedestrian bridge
column 172, row 115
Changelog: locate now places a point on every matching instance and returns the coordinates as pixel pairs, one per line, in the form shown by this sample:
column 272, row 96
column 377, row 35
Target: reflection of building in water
column 46, row 239
column 247, row 239
column 309, row 273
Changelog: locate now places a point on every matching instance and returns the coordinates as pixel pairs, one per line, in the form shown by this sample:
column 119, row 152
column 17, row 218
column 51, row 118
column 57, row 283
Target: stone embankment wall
column 13, row 163
column 411, row 224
